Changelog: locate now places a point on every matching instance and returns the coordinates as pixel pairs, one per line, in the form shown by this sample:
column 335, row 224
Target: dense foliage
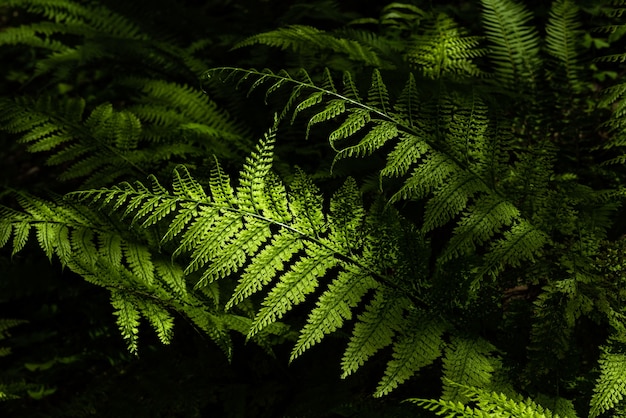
column 412, row 209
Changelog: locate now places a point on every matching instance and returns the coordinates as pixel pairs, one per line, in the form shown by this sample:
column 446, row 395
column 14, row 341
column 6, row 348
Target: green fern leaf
column 346, row 218
column 420, row 347
column 562, row 41
column 355, row 121
column 374, row 330
column 128, row 317
column 378, row 96
column 349, row 89
column 514, row 45
column 172, row 275
column 521, row 243
column 467, row 362
column 234, row 254
column 21, row 231
column 333, row 307
column 140, row 261
column 6, row 228
column 266, row 264
column 208, row 238
column 450, row 199
column 64, row 248
column 185, row 186
column 161, row 320
column 250, row 193
column 407, row 107
column 429, row 175
column 444, row 50
column 276, row 200
column 381, row 132
column 306, row 206
column 186, row 213
column 407, row 152
column 334, row 108
column 486, row 217
column 294, row 285
column 47, row 236
column 611, row 385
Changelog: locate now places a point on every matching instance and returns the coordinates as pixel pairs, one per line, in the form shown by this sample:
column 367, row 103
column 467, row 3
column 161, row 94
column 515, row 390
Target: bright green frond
column 610, row 388
column 468, row 362
column 430, row 174
column 334, row 307
column 294, row 285
column 128, row 317
column 419, row 345
column 374, row 330
column 264, row 267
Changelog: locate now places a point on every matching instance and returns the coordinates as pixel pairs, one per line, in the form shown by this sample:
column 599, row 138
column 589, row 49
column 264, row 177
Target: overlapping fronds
column 150, row 116
column 443, row 49
column 99, row 148
column 72, row 35
column 306, row 39
column 107, row 144
column 279, row 242
column 488, row 404
column 143, row 282
column 468, row 362
column 443, row 152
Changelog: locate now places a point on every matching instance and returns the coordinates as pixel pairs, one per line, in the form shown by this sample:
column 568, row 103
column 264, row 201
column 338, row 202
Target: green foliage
column 489, row 404
column 467, row 243
column 611, row 385
column 113, row 124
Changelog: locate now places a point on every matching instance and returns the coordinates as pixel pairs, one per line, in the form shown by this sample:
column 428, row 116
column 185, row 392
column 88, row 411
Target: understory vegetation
column 312, row 209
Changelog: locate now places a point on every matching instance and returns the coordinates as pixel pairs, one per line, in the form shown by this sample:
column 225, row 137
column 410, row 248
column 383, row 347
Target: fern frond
column 611, row 384
column 486, row 217
column 302, row 39
column 278, row 237
column 430, row 174
column 521, row 243
column 418, row 346
column 333, row 308
column 514, row 46
column 265, row 265
column 408, row 151
column 488, row 404
column 467, row 362
column 294, row 285
column 127, row 318
column 101, row 148
column 374, row 330
column 562, row 41
column 444, row 50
